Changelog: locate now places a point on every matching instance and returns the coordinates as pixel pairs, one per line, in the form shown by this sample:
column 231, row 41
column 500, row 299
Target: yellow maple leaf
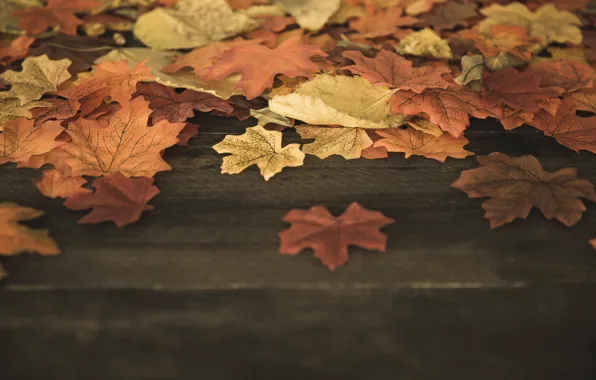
column 346, row 142
column 258, row 146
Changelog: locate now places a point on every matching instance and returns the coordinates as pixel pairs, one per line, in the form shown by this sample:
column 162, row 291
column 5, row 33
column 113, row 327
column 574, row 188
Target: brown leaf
column 449, row 15
column 16, row 238
column 567, row 74
column 57, row 12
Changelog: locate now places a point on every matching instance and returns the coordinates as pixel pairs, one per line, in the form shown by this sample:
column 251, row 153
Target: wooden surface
column 196, row 289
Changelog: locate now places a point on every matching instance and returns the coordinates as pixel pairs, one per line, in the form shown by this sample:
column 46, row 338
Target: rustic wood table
column 197, row 290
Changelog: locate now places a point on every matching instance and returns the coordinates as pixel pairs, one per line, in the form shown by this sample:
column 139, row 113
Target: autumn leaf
column 472, row 70
column 517, row 184
column 16, row 238
column 21, row 140
column 189, row 131
column 175, row 107
column 503, row 39
column 57, row 12
column 329, row 236
column 518, row 90
column 265, row 116
column 17, row 49
column 258, row 64
column 117, row 199
column 258, row 146
column 577, row 133
column 449, row 15
column 379, row 22
column 425, row 42
column 450, row 109
column 39, row 76
column 346, row 142
column 584, row 100
column 119, row 80
column 512, row 119
column 567, row 74
column 54, row 184
column 391, row 70
column 127, row 145
column 11, row 109
column 311, row 14
column 413, row 142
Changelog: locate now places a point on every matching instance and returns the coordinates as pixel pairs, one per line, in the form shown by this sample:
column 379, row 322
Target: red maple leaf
column 258, row 65
column 567, row 74
column 329, row 236
column 175, row 107
column 117, row 198
column 517, row 90
column 58, row 12
column 392, row 70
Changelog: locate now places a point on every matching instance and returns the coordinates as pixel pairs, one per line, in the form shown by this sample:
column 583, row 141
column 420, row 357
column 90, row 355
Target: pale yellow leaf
column 425, row 42
column 266, row 116
column 425, row 126
column 472, row 70
column 311, row 14
column 346, row 142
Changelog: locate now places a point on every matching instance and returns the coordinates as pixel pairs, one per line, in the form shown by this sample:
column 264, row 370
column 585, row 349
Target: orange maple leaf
column 16, row 238
column 517, row 184
column 203, row 57
column 503, row 38
column 21, row 139
column 54, row 184
column 565, row 73
column 329, row 236
column 378, row 22
column 258, row 65
column 17, row 49
column 57, row 12
column 126, row 145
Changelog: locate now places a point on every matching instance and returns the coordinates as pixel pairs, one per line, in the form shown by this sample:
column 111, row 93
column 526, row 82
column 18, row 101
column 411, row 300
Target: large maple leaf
column 57, row 12
column 117, row 198
column 392, row 70
column 16, row 238
column 175, row 107
column 21, row 140
column 518, row 90
column 517, row 184
column 258, row 65
column 329, row 237
column 568, row 74
column 449, row 108
column 577, row 133
column 126, row 145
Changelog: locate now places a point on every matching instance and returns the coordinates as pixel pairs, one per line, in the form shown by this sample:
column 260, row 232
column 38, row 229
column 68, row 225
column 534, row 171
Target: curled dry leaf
column 346, row 142
column 117, row 199
column 329, row 236
column 21, row 140
column 311, row 14
column 190, row 24
column 425, row 42
column 338, row 100
column 16, row 238
column 258, row 146
column 55, row 184
column 413, row 142
column 472, row 70
column 57, row 13
column 517, row 184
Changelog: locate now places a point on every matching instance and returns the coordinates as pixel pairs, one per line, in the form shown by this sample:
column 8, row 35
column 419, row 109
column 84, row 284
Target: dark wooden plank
column 518, row 334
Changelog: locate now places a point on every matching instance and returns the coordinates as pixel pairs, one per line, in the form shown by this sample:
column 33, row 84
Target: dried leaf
column 266, row 116
column 329, row 237
column 346, row 142
column 425, row 42
column 17, row 49
column 258, row 146
column 16, row 238
column 449, row 15
column 311, row 14
column 21, row 140
column 11, row 109
column 57, row 13
column 423, row 125
column 567, row 74
column 381, row 22
column 584, row 100
column 9, row 23
column 516, row 184
column 117, row 199
column 54, row 184
column 472, row 70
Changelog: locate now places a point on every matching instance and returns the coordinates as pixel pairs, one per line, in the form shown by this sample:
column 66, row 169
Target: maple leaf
column 346, row 142
column 39, row 75
column 57, row 12
column 175, row 107
column 16, row 238
column 54, row 184
column 203, row 57
column 577, row 133
column 258, row 64
column 126, row 145
column 567, row 74
column 449, row 109
column 499, row 39
column 118, row 80
column 379, row 22
column 21, row 140
column 512, row 119
column 413, row 142
column 449, row 15
column 517, row 90
column 329, row 237
column 375, row 153
column 55, row 109
column 258, row 146
column 11, row 109
column 547, row 23
column 584, row 100
column 391, row 70
column 117, row 199
column 189, row 131
column 516, row 184
column 17, row 49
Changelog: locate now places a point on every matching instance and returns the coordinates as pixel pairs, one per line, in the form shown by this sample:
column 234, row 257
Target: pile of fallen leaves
column 96, row 90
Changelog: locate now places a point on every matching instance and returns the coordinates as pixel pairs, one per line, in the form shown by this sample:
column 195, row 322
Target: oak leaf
column 391, row 70
column 191, row 23
column 258, row 64
column 346, row 142
column 577, row 133
column 55, row 184
column 127, row 145
column 378, row 22
column 258, row 146
column 413, row 142
column 517, row 184
column 117, row 199
column 57, row 13
column 39, row 76
column 338, row 100
column 449, row 15
column 311, row 14
column 425, row 42
column 450, row 109
column 567, row 74
column 16, row 238
column 329, row 236
column 175, row 107
column 20, row 140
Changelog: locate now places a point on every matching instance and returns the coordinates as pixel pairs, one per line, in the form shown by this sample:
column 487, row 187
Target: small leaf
column 425, row 42
column 16, row 238
column 346, row 142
